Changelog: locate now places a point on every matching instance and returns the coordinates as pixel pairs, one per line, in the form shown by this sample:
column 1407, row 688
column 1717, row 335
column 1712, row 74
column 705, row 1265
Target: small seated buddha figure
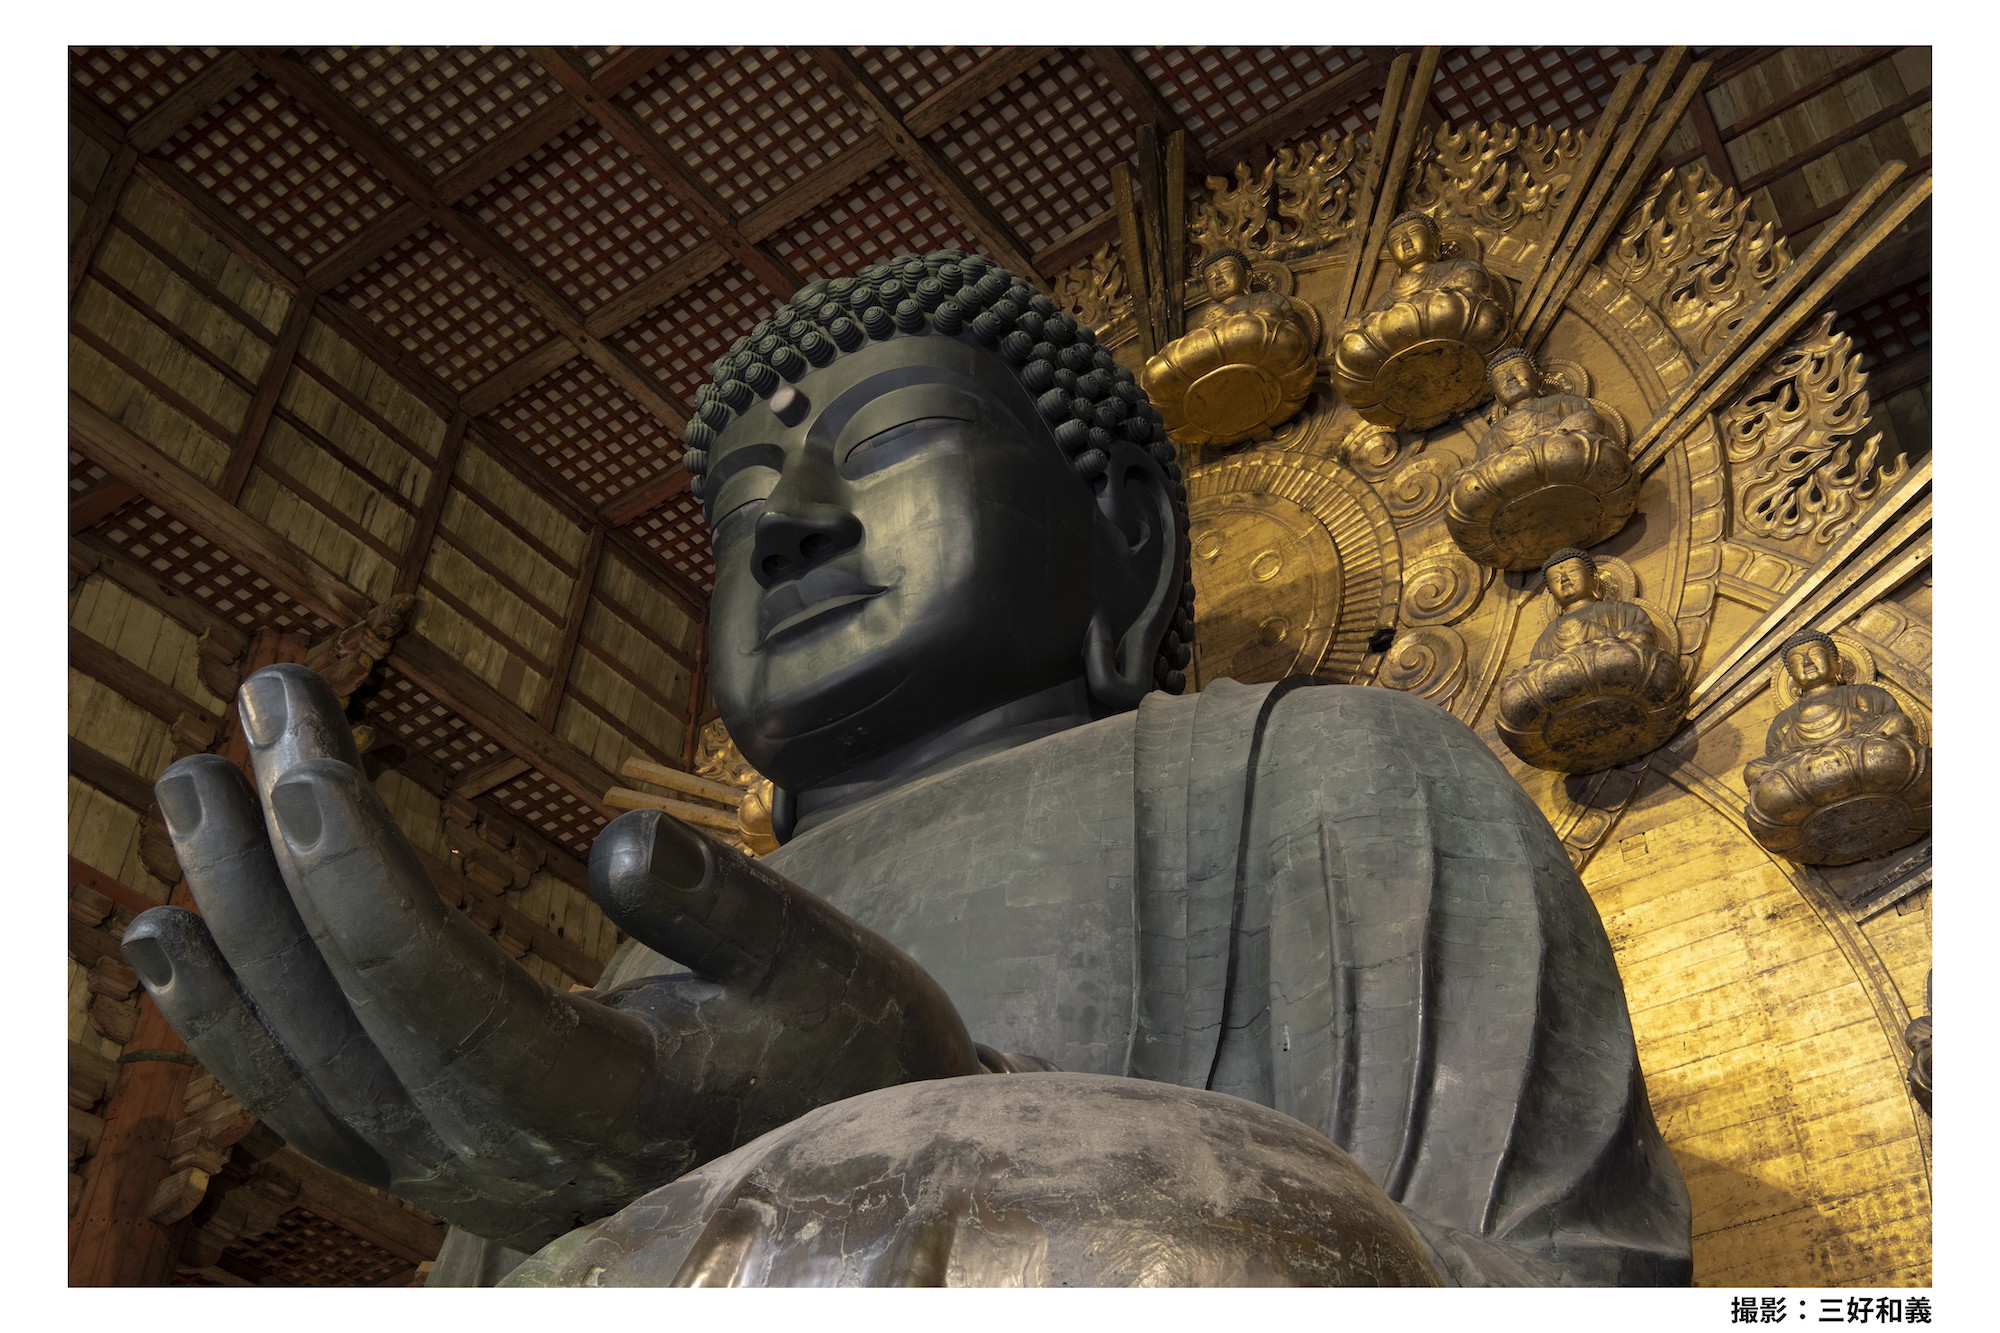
column 1418, row 355
column 1844, row 777
column 1246, row 367
column 1549, row 473
column 1599, row 689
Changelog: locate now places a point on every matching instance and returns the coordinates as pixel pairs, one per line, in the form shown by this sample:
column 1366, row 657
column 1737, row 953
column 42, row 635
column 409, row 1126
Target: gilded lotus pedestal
column 1549, row 474
column 1245, row 369
column 1844, row 777
column 1599, row 689
column 1418, row 357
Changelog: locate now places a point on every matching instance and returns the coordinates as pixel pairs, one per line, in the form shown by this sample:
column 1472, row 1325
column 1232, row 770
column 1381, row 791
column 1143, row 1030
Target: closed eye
column 738, row 522
column 893, row 445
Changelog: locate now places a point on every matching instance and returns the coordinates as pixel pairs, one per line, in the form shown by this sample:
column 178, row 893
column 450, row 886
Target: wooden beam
column 930, row 166
column 1277, row 129
column 661, row 287
column 1914, row 368
column 1078, row 244
column 648, row 495
column 1712, row 146
column 299, row 576
column 251, row 245
column 132, row 682
column 1847, row 135
column 109, row 776
column 989, row 76
column 579, row 604
column 638, row 139
column 181, row 493
column 1122, row 72
column 817, row 186
column 499, row 260
column 555, row 858
column 92, row 555
column 270, row 387
column 90, row 877
column 97, row 504
column 519, row 374
column 97, row 215
column 1808, row 90
column 364, row 247
column 180, row 108
column 478, row 781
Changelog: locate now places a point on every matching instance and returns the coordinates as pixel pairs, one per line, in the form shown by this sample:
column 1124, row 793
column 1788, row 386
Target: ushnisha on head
column 1226, row 272
column 1571, row 575
column 1818, row 664
column 1514, row 375
column 1091, row 404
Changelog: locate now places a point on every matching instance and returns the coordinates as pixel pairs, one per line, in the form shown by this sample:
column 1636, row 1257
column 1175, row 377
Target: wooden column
column 113, row 1243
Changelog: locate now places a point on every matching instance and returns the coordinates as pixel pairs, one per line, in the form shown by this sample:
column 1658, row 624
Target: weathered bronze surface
column 950, row 624
column 1418, row 356
column 1600, row 686
column 1549, row 474
column 1247, row 366
column 1055, row 1180
column 1844, row 776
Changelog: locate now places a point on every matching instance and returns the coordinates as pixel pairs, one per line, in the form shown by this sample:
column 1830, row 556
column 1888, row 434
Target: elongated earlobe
column 1138, row 589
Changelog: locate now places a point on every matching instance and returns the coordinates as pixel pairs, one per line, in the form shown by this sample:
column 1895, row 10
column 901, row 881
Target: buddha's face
column 1514, row 381
column 1411, row 243
column 1813, row 663
column 1226, row 277
column 899, row 543
column 1571, row 581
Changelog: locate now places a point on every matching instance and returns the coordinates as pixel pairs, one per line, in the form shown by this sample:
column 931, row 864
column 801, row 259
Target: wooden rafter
column 496, row 257
column 301, row 577
column 1122, row 72
column 639, row 140
column 270, row 387
column 134, row 683
column 930, row 165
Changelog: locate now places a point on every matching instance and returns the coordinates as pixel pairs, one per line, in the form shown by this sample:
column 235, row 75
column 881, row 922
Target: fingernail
column 262, row 704
column 180, row 802
column 678, row 855
column 149, row 960
column 298, row 811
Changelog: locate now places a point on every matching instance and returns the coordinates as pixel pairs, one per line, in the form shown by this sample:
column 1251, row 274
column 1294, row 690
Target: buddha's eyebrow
column 743, row 456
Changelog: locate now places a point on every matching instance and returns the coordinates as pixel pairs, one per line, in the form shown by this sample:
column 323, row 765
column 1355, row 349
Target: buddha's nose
column 799, row 537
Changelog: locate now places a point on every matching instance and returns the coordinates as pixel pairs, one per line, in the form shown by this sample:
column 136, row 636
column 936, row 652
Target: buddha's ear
column 1136, row 580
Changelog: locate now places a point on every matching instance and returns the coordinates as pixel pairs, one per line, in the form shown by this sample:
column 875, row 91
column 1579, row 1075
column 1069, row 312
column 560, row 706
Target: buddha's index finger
column 737, row 922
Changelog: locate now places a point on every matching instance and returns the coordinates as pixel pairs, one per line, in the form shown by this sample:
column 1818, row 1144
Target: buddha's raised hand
column 379, row 1031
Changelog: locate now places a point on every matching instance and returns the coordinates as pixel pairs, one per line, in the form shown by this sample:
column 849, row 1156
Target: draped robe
column 1334, row 902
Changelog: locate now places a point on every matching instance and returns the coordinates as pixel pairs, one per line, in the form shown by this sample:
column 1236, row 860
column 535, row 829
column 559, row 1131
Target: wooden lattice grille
column 590, row 218
column 406, row 714
column 1892, row 326
column 191, row 564
column 543, row 804
column 888, row 212
column 306, row 1250
column 283, row 171
column 1020, row 149
column 584, row 426
column 909, row 74
column 1558, row 87
column 434, row 298
column 439, row 105
column 677, row 533
column 133, row 80
column 681, row 340
column 749, row 121
column 1218, row 91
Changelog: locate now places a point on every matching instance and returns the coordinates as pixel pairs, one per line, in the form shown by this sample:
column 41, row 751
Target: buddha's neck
column 1015, row 723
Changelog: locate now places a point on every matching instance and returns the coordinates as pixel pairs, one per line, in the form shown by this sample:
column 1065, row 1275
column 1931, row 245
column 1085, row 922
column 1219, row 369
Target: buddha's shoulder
column 1306, row 718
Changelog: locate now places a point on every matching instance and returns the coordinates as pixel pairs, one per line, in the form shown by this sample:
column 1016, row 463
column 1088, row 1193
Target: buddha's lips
column 821, row 590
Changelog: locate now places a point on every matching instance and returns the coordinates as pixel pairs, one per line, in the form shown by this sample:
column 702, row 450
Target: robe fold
column 1332, row 901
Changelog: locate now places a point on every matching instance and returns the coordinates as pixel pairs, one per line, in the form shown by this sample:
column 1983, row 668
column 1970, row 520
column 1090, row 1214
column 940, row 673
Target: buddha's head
column 931, row 494
column 1226, row 273
column 1514, row 376
column 1571, row 576
column 1414, row 240
column 1812, row 659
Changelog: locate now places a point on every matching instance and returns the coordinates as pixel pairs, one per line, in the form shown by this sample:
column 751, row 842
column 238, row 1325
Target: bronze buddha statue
column 1599, row 688
column 1247, row 366
column 1548, row 475
column 1058, row 974
column 1843, row 777
column 1417, row 357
